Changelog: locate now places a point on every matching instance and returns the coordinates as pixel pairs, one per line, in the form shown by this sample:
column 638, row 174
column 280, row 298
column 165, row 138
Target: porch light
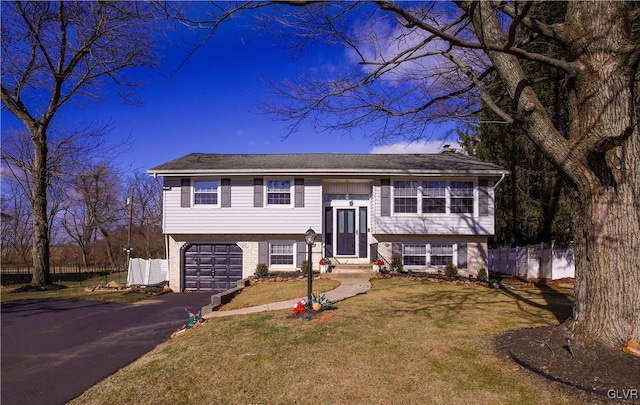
column 310, row 238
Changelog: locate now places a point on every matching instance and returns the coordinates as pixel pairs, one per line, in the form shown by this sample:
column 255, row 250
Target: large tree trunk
column 601, row 160
column 41, row 275
column 606, row 203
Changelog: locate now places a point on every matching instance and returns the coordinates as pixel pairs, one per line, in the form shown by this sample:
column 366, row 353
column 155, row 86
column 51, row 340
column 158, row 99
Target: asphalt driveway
column 53, row 350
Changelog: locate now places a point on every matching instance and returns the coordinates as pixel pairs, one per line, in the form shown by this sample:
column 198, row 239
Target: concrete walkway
column 349, row 287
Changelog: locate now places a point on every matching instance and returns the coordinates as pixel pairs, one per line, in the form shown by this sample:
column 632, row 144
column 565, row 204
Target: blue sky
column 210, row 105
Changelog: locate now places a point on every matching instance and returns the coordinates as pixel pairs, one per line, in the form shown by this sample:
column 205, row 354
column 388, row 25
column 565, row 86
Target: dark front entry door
column 346, row 232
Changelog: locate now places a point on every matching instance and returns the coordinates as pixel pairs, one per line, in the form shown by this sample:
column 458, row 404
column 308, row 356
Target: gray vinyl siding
column 242, row 217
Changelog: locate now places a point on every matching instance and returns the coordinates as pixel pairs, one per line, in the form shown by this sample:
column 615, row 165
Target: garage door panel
column 213, row 267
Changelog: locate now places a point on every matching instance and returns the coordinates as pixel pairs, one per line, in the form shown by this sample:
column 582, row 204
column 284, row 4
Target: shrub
column 262, row 270
column 450, row 270
column 482, row 274
column 304, row 267
column 396, row 263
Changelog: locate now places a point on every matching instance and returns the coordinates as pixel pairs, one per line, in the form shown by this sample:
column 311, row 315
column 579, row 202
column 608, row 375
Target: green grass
column 75, row 290
column 266, row 293
column 404, row 342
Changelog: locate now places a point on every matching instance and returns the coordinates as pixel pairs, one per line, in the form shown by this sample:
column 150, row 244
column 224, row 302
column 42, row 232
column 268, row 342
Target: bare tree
column 100, row 203
column 147, row 214
column 53, row 52
column 408, row 65
column 16, row 224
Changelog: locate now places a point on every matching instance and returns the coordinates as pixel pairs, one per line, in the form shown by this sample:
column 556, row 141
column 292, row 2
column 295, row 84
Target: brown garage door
column 212, row 267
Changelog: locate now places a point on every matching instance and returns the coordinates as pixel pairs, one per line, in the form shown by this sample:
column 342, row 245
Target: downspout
column 500, row 181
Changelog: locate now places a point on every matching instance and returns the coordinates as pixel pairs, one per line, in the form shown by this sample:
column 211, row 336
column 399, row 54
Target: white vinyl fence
column 533, row 262
column 147, row 272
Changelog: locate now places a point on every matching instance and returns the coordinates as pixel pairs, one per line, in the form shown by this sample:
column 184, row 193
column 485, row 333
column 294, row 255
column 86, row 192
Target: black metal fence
column 22, row 274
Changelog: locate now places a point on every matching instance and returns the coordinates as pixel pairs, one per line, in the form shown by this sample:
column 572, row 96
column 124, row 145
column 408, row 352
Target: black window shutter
column 263, row 253
column 385, row 197
column 301, row 250
column 225, row 198
column 483, row 197
column 185, row 192
column 258, row 191
column 462, row 255
column 299, row 198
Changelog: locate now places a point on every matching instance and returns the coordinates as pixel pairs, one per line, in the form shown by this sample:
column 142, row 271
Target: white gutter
column 500, row 181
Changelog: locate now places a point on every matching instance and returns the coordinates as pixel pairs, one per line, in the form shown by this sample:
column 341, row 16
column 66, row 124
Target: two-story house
column 223, row 214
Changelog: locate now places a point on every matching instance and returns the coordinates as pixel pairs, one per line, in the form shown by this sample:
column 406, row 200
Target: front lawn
column 266, row 293
column 70, row 289
column 404, row 342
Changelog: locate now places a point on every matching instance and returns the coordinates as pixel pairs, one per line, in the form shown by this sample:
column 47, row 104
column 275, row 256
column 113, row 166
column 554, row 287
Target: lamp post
column 310, row 237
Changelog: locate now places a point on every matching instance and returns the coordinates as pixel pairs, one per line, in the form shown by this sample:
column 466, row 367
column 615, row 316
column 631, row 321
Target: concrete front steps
column 350, row 271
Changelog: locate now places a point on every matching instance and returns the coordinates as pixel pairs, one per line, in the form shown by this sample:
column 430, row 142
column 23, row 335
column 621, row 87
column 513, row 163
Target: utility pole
column 128, row 247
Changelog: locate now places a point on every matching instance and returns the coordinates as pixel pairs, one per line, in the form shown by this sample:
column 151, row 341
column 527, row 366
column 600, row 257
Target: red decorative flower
column 380, row 262
column 299, row 308
column 322, row 262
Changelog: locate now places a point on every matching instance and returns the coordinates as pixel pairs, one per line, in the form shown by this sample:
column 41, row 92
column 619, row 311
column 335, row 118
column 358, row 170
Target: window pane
column 278, row 185
column 434, row 205
column 205, row 192
column 279, row 192
column 414, row 255
column 405, row 204
column 405, row 188
column 434, row 189
column 281, row 253
column 279, row 198
column 461, row 189
column 441, row 254
column 415, row 249
column 462, row 197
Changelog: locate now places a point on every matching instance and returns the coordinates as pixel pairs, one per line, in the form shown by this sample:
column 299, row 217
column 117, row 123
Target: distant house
column 224, row 214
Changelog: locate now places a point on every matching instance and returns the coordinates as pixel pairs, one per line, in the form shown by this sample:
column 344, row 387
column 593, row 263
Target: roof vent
column 448, row 149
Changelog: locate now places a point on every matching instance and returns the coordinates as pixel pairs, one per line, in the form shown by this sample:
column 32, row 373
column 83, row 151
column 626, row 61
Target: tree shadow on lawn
column 593, row 374
column 599, row 374
column 458, row 301
column 556, row 302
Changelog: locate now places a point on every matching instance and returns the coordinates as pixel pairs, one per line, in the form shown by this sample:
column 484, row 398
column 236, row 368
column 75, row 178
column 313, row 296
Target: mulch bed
column 599, row 374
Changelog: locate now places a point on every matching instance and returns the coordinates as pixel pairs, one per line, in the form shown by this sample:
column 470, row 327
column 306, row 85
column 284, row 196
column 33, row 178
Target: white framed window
column 441, row 254
column 281, row 254
column 205, row 192
column 414, row 255
column 434, row 197
column 405, row 197
column 279, row 192
column 461, row 197
column 428, row 254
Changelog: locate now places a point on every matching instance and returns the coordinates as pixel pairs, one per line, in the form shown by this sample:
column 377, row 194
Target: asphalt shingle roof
column 326, row 163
